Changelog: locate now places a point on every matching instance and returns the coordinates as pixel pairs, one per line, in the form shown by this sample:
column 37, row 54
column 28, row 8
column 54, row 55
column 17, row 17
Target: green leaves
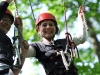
column 88, row 63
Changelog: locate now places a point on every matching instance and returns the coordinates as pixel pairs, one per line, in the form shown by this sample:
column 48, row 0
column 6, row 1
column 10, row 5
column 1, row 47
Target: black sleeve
column 3, row 8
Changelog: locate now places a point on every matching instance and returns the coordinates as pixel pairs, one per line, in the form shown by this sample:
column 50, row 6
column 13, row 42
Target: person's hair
column 10, row 17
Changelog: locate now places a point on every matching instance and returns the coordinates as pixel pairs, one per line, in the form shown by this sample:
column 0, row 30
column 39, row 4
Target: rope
column 32, row 9
column 61, row 52
column 70, row 43
column 16, row 10
column 20, row 38
column 16, row 14
column 65, row 14
column 64, row 60
column 83, row 3
column 65, row 22
column 84, row 19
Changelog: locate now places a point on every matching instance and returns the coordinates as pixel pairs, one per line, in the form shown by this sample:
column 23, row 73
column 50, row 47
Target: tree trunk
column 93, row 39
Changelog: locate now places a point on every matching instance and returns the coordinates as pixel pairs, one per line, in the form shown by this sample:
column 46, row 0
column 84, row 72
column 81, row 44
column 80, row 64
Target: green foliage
column 86, row 69
column 86, row 64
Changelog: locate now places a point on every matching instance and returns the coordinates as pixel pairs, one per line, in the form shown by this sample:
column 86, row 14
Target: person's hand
column 18, row 23
column 81, row 11
column 9, row 1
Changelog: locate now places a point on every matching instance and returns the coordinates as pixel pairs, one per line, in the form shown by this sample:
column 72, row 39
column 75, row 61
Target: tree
column 86, row 64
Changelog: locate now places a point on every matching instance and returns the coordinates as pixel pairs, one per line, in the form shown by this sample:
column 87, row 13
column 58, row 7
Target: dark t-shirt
column 44, row 53
column 5, row 42
column 6, row 53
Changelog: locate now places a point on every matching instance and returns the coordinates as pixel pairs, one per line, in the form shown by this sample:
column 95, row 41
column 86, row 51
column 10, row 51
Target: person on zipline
column 6, row 48
column 47, row 51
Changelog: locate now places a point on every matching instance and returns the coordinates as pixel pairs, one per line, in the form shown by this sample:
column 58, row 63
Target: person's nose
column 8, row 24
column 48, row 26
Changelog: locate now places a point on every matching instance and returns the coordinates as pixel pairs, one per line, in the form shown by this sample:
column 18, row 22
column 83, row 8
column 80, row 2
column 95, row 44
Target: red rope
column 69, row 40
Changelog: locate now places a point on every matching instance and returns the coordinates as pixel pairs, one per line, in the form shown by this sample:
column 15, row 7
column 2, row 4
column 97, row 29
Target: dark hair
column 11, row 18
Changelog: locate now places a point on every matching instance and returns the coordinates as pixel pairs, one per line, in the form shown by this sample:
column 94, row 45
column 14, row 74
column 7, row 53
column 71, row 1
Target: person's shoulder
column 37, row 44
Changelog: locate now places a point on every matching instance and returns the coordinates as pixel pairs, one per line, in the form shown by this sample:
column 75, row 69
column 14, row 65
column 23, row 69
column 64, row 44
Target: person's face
column 47, row 29
column 5, row 24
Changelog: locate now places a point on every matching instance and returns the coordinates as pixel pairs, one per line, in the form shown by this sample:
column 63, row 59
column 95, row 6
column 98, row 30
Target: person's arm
column 48, row 54
column 24, row 44
column 3, row 7
column 24, row 48
column 31, row 52
column 82, row 30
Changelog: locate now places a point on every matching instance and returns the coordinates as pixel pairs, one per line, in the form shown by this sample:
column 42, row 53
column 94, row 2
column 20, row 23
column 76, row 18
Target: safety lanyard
column 70, row 43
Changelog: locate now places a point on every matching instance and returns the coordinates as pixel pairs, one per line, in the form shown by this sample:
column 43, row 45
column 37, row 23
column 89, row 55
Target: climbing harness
column 67, row 38
column 18, row 63
column 70, row 43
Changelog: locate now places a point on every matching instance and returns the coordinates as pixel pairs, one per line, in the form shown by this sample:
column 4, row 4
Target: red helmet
column 9, row 13
column 45, row 16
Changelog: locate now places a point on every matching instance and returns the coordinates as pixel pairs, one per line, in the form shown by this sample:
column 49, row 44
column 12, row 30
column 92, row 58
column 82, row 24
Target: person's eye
column 4, row 19
column 44, row 25
column 51, row 24
column 10, row 22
